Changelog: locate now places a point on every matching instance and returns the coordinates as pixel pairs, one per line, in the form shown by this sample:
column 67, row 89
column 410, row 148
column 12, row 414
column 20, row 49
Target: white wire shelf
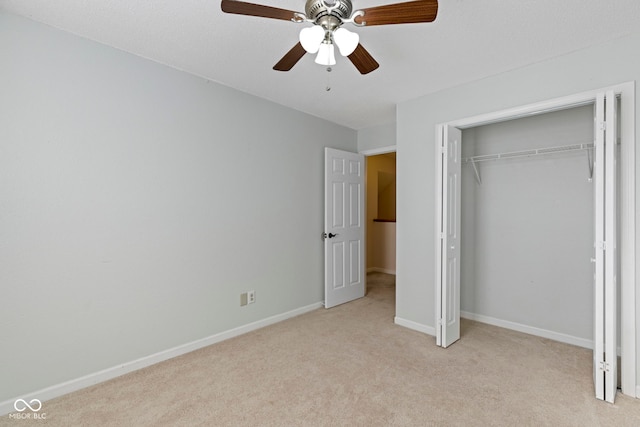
column 529, row 153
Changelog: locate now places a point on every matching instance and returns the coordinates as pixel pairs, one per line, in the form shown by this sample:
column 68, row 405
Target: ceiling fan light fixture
column 327, row 16
column 326, row 55
column 346, row 40
column 311, row 38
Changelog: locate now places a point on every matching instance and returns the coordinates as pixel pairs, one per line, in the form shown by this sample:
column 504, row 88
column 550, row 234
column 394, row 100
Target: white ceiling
column 470, row 39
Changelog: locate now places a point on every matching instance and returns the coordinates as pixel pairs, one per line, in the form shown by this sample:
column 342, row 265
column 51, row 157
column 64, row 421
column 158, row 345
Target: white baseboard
column 57, row 390
column 429, row 330
column 380, row 270
column 556, row 336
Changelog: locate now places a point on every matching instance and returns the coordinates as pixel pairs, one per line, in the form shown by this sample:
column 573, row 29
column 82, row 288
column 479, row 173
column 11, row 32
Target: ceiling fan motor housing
column 316, row 9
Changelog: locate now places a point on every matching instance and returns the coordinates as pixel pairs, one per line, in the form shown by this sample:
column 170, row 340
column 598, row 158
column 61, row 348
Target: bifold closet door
column 605, row 248
column 448, row 286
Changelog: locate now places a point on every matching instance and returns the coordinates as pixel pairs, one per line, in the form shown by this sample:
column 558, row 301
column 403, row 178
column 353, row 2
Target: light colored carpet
column 351, row 365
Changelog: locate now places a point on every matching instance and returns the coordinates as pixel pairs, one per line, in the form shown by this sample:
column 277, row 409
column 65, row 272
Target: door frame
column 627, row 165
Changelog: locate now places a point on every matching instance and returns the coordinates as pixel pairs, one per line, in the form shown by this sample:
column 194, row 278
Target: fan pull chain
column 328, row 88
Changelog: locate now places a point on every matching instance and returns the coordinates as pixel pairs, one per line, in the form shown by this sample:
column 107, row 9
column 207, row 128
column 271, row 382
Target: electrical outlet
column 243, row 299
column 251, row 297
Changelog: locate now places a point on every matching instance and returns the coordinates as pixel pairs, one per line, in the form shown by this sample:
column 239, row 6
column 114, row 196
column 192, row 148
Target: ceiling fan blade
column 251, row 9
column 363, row 60
column 411, row 12
column 291, row 58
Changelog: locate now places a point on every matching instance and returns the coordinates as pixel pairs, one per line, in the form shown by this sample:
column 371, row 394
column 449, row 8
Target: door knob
column 330, row 235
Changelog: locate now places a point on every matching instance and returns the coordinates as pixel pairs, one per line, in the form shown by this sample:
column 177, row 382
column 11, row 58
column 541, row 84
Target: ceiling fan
column 327, row 17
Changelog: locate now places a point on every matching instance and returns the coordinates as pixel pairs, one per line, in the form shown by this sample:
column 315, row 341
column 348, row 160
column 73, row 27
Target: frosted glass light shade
column 346, row 41
column 326, row 55
column 311, row 38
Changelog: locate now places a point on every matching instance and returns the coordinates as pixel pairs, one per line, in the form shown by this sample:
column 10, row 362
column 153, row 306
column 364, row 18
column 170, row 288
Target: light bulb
column 326, row 54
column 346, row 41
column 311, row 38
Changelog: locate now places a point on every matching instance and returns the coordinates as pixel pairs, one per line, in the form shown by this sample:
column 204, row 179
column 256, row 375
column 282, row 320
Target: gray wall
column 527, row 229
column 137, row 202
column 592, row 68
column 377, row 137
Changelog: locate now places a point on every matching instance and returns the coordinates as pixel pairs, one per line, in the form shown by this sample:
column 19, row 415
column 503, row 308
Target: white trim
column 438, row 229
column 381, row 150
column 380, row 270
column 531, row 330
column 429, row 330
column 627, row 205
column 116, row 371
column 548, row 106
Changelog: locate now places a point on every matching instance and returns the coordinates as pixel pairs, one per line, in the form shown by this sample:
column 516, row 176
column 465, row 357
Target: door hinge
column 602, row 126
column 604, row 366
column 601, row 246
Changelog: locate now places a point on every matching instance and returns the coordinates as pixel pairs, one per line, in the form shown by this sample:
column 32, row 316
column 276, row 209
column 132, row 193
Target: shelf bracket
column 475, row 169
column 590, row 164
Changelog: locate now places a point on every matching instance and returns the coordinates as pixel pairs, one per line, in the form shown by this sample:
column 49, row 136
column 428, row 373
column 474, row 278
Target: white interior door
column 605, row 358
column 448, row 286
column 343, row 227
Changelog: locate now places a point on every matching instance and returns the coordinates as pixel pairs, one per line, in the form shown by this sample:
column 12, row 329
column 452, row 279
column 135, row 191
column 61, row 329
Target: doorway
column 381, row 213
column 447, row 213
column 527, row 225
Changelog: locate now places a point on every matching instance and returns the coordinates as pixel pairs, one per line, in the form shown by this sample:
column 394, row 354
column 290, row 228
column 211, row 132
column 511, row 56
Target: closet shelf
column 528, row 153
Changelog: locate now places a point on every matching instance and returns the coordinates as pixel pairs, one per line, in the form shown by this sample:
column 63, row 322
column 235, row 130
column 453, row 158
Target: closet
column 531, row 240
column 527, row 224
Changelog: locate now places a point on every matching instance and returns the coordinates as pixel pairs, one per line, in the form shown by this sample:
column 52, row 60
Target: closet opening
column 527, row 225
column 535, row 222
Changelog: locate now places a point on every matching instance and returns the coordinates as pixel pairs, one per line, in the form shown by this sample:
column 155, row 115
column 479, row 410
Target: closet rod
column 528, row 153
